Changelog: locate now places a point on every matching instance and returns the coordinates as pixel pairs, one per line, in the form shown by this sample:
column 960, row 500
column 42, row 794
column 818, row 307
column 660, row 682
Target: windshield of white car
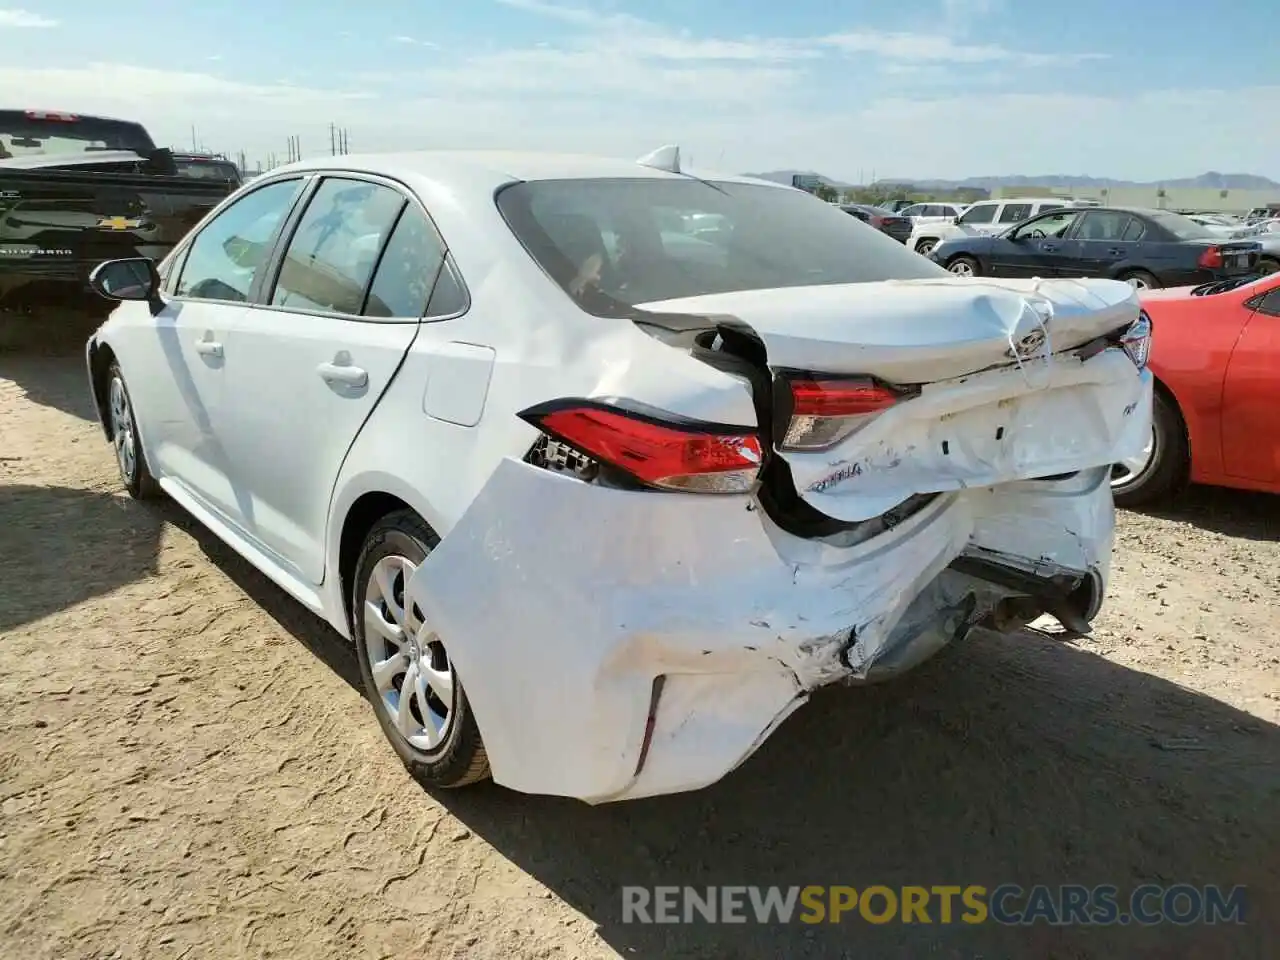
column 1184, row 228
column 615, row 243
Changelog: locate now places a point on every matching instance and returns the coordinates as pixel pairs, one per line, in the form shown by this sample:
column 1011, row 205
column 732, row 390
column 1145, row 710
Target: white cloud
column 938, row 48
column 414, row 41
column 905, row 104
column 24, row 18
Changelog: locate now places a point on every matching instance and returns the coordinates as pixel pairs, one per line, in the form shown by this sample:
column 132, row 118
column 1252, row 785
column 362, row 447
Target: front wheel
column 131, row 461
column 925, row 247
column 1160, row 467
column 963, row 266
column 408, row 675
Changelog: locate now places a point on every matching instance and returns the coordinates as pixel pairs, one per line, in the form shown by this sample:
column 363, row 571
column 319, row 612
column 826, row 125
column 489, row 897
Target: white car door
column 307, row 366
column 180, row 381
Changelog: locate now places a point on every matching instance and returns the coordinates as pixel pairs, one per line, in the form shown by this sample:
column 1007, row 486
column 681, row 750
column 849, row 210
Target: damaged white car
column 600, row 499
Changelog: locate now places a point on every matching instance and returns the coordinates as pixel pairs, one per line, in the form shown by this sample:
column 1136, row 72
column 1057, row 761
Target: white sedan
column 599, row 502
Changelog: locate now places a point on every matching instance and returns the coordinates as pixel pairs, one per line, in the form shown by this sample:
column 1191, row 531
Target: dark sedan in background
column 1147, row 248
column 886, row 221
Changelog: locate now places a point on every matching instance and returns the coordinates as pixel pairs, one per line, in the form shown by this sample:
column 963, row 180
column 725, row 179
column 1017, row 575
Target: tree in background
column 825, row 191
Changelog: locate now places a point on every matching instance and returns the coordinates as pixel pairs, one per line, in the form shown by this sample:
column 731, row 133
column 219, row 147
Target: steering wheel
column 1036, row 234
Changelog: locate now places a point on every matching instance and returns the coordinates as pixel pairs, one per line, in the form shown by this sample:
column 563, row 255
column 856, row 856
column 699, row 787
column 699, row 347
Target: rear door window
column 408, row 269
column 334, row 249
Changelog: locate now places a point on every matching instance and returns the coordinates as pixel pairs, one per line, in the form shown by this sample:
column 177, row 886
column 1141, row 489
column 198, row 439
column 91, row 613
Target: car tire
column 131, row 460
column 1140, row 279
column 1268, row 266
column 1166, row 468
column 401, row 541
column 925, row 247
column 964, row 266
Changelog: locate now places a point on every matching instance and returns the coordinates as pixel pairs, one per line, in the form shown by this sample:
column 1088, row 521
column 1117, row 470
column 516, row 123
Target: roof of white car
column 501, row 167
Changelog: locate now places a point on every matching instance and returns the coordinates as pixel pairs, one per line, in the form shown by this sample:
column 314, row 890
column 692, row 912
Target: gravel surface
column 188, row 770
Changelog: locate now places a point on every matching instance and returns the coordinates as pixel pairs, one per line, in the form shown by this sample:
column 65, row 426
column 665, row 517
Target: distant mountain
column 1209, row 181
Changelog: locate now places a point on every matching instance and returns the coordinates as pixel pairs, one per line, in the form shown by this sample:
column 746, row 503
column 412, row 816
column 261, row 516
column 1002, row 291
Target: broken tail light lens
column 826, row 411
column 669, row 454
column 1136, row 341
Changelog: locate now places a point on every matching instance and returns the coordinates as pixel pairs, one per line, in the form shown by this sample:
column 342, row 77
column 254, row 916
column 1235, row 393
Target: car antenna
column 668, row 158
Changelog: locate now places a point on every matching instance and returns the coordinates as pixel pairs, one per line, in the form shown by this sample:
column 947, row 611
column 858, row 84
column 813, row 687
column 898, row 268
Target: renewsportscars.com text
column 1008, row 904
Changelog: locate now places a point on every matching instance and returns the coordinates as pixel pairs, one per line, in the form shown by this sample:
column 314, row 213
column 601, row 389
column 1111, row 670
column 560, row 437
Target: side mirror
column 956, row 221
column 132, row 279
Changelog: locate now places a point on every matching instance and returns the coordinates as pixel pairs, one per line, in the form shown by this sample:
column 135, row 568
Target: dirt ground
column 188, row 770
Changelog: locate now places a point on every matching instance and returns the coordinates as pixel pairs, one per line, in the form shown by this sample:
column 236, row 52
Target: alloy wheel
column 411, row 670
column 961, row 268
column 126, row 444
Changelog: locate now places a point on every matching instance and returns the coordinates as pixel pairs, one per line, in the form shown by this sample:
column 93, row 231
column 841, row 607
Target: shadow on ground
column 60, row 546
column 1005, row 760
column 55, row 378
column 1235, row 513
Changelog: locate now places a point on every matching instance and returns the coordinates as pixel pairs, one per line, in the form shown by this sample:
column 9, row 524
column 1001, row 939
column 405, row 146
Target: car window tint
column 1015, row 212
column 980, row 213
column 609, row 242
column 402, row 284
column 449, row 298
column 1134, row 230
column 224, row 258
column 335, row 246
column 916, row 210
column 1270, row 304
column 1107, row 225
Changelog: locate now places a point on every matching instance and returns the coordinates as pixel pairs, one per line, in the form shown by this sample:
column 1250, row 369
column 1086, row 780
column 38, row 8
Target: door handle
column 1115, row 252
column 1048, row 247
column 344, row 374
column 209, row 348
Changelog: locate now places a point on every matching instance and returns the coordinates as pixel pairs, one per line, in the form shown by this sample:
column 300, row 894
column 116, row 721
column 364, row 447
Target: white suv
column 982, row 218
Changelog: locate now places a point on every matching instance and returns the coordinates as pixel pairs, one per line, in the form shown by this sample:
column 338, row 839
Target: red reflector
column 1211, row 258
column 839, row 398
column 47, row 115
column 666, row 455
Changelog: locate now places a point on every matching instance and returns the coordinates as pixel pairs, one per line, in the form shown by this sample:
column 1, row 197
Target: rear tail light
column 1136, row 340
column 654, row 449
column 1211, row 259
column 825, row 411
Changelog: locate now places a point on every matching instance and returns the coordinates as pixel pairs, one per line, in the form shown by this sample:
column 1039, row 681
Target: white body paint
column 563, row 602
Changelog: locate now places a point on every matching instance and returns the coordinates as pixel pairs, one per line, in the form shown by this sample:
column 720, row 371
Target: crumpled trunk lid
column 999, row 392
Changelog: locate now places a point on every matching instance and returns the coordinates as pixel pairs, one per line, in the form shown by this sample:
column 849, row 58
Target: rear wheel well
column 368, row 509
column 1167, row 395
column 101, row 357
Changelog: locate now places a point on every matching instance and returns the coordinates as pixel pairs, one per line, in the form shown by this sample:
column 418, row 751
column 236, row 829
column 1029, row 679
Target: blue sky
column 943, row 88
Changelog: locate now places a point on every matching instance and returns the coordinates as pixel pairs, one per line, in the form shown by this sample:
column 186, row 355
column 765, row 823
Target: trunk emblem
column 1028, row 347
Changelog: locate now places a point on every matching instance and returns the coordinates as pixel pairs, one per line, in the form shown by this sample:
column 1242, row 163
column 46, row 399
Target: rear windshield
column 24, row 136
column 616, row 243
column 1184, row 228
column 222, row 171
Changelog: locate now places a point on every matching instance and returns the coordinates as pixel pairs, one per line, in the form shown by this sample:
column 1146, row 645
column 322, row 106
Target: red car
column 1215, row 353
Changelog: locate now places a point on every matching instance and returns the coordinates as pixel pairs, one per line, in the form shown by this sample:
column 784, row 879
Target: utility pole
column 193, row 138
column 333, row 146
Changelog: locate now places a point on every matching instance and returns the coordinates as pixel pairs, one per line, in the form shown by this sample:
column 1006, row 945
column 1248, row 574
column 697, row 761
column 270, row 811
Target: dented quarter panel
column 558, row 636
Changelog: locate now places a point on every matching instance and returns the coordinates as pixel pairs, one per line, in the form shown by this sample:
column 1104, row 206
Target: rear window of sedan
column 615, row 243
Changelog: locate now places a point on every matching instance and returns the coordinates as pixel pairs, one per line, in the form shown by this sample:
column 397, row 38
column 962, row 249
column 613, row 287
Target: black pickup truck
column 77, row 190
